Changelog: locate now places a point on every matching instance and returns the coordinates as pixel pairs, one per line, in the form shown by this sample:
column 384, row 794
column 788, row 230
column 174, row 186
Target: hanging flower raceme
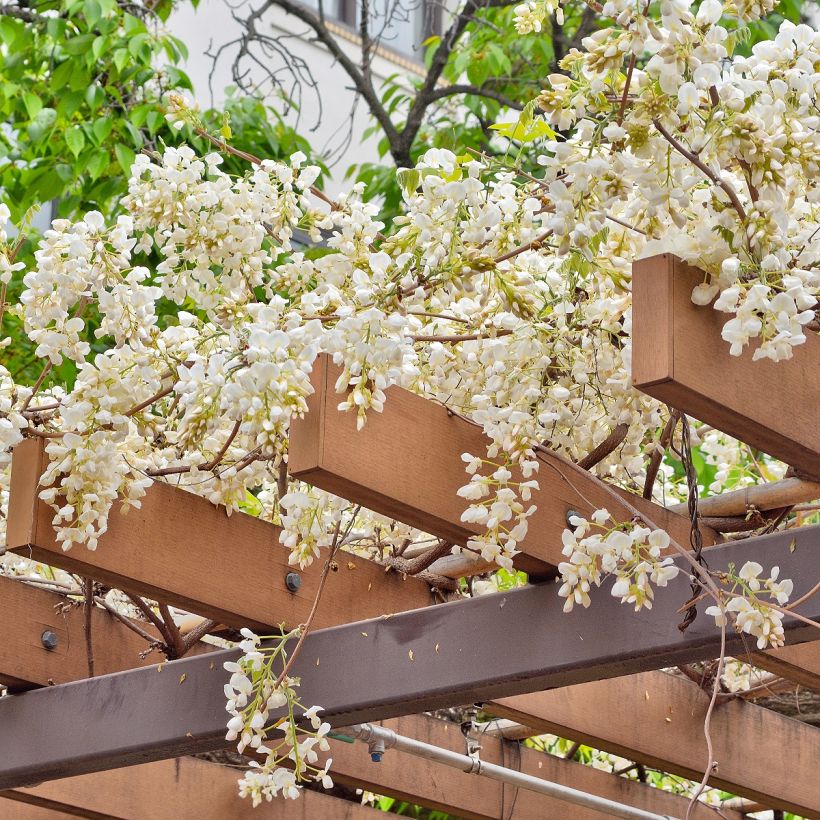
column 255, row 692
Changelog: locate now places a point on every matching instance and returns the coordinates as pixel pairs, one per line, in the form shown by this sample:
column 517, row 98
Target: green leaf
column 125, row 157
column 75, row 140
column 44, row 121
column 102, row 128
column 93, row 11
column 33, row 104
column 154, row 120
column 96, row 163
column 62, row 74
column 94, row 96
column 99, row 46
column 121, row 58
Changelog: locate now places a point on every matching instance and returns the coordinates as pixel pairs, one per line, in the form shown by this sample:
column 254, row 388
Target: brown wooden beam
column 406, row 463
column 169, row 570
column 26, row 613
column 170, row 790
column 657, row 719
column 800, row 664
column 678, row 357
column 181, row 549
column 22, row 653
column 187, row 787
column 415, row 661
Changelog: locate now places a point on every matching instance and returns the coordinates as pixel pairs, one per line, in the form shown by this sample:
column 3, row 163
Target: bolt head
column 571, row 514
column 49, row 639
column 376, row 757
column 293, row 581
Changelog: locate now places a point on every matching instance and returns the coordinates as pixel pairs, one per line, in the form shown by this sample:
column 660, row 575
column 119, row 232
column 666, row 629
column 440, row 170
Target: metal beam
column 326, row 450
column 477, row 649
column 679, row 357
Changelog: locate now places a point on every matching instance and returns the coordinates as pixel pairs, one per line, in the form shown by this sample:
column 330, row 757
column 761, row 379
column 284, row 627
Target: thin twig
column 132, row 625
column 88, row 608
column 707, row 724
column 305, row 628
column 224, row 449
column 702, row 166
column 466, row 337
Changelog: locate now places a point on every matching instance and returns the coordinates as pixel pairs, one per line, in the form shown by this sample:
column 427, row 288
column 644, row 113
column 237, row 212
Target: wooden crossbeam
column 454, row 653
column 657, row 719
column 181, row 549
column 26, row 613
column 678, row 356
column 169, row 790
column 406, row 463
column 22, row 651
column 155, row 551
column 187, row 787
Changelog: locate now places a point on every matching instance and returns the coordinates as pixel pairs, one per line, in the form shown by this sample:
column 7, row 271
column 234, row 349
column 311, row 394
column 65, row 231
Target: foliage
column 82, row 91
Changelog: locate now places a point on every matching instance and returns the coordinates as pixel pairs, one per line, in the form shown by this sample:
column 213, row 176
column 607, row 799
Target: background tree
column 477, row 67
column 82, row 86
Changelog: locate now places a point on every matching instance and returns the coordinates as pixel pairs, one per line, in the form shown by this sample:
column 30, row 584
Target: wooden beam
column 426, row 441
column 173, row 789
column 800, row 664
column 657, row 719
column 679, row 357
column 26, row 613
column 187, row 787
column 415, row 661
column 24, row 662
column 181, row 549
column 20, row 650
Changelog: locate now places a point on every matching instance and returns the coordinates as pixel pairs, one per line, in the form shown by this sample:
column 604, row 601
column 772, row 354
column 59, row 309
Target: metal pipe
column 373, row 735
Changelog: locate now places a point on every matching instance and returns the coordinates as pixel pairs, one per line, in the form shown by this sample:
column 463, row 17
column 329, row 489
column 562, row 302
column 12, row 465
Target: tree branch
column 324, row 36
column 454, row 90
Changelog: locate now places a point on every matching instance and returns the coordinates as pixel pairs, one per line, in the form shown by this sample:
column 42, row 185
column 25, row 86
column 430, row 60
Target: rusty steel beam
column 478, row 649
column 679, row 357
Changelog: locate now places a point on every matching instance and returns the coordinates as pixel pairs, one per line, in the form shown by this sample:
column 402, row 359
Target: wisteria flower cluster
column 746, row 594
column 502, row 296
column 703, row 153
column 600, row 547
column 253, row 693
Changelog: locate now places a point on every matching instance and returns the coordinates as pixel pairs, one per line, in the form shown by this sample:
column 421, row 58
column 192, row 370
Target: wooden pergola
column 385, row 650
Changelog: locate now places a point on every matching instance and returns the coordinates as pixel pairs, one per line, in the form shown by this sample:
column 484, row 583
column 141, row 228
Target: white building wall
column 203, row 30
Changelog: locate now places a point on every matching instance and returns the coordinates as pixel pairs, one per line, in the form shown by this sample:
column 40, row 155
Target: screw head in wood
column 293, row 581
column 49, row 639
column 571, row 514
